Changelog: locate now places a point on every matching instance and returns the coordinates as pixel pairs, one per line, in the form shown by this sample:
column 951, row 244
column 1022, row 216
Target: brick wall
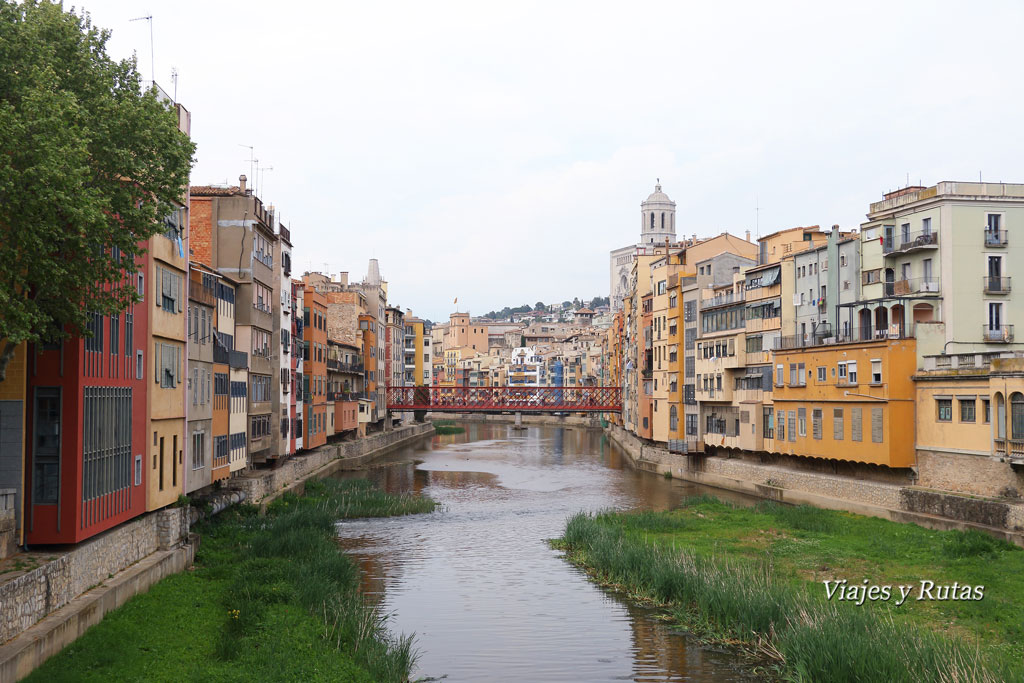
column 201, row 231
column 980, row 475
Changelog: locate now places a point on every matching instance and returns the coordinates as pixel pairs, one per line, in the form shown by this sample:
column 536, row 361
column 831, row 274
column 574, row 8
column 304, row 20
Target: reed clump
column 746, row 601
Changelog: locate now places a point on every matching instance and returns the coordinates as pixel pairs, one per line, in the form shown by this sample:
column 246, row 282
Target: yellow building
column 851, row 402
column 12, row 450
column 666, row 341
column 970, row 426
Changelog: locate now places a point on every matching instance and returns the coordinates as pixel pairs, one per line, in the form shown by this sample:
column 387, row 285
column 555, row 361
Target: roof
column 215, row 191
column 584, row 311
column 658, row 197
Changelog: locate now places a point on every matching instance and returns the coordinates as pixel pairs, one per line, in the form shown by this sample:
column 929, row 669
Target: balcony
column 334, row 365
column 723, row 299
column 902, row 244
column 996, row 285
column 997, row 334
column 238, row 360
column 856, row 334
column 913, row 285
column 995, row 238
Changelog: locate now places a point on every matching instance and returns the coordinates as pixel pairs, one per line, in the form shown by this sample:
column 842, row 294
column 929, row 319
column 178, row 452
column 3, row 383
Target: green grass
column 269, row 598
column 753, row 577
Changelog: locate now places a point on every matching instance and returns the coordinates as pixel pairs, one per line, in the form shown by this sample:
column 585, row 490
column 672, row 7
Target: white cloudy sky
column 497, row 151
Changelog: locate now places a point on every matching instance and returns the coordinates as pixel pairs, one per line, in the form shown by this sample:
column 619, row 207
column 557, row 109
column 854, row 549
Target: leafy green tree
column 89, row 165
column 539, row 306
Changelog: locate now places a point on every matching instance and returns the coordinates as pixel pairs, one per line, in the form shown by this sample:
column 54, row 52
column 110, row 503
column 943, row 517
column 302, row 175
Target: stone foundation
column 29, row 598
column 973, row 474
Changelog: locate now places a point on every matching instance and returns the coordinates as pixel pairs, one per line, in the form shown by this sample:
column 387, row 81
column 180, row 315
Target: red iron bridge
column 506, row 399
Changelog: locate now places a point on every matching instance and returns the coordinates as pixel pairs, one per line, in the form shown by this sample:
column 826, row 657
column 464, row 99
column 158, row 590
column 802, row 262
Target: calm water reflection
column 486, row 596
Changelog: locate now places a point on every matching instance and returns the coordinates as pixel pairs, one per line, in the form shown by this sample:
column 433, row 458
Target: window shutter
column 855, row 424
column 837, row 424
column 157, row 360
column 177, row 364
column 876, row 425
column 179, row 281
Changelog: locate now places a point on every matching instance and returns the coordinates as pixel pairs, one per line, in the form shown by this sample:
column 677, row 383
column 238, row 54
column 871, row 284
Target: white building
column 525, row 365
column 657, row 223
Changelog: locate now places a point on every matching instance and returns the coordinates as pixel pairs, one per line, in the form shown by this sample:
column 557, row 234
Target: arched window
column 662, row 220
column 673, row 419
column 652, row 220
column 1017, row 415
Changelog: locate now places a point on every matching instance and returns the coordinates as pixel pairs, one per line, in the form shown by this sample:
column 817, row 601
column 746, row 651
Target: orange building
column 314, row 368
column 367, row 408
column 852, row 402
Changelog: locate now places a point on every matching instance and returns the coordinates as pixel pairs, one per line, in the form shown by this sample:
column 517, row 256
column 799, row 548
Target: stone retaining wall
column 936, row 509
column 28, row 598
column 259, row 484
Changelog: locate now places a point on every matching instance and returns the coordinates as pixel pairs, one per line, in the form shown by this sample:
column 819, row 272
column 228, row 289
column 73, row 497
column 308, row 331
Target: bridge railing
column 505, row 399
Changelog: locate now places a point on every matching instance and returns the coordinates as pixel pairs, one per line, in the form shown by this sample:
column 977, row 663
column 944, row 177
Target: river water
column 484, row 593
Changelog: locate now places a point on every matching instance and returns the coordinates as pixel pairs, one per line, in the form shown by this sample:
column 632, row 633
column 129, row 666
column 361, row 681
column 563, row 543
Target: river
column 484, row 593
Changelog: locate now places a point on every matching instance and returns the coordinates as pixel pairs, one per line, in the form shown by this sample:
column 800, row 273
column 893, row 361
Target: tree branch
column 5, row 358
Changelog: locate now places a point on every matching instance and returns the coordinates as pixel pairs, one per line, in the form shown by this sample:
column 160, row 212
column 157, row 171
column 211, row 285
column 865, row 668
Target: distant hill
column 508, row 312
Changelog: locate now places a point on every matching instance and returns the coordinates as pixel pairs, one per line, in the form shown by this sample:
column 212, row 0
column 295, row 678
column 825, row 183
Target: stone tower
column 657, row 218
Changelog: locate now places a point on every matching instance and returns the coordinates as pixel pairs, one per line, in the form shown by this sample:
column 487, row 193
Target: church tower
column 657, row 218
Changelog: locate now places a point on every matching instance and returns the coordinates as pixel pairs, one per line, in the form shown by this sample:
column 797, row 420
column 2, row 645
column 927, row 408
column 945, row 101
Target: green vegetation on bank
column 753, row 577
column 447, row 427
column 270, row 598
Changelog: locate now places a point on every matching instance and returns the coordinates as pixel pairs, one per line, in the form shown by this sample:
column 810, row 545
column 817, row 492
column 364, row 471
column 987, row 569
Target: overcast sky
column 496, row 152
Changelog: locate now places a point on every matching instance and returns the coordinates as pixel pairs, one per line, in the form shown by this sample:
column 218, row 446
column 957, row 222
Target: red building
column 86, row 428
column 314, row 366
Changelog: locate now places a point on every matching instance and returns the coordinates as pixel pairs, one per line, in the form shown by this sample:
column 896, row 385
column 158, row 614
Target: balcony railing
column 915, row 240
column 995, row 238
column 996, row 285
column 238, row 359
column 997, row 334
column 913, row 285
column 723, row 299
column 799, row 341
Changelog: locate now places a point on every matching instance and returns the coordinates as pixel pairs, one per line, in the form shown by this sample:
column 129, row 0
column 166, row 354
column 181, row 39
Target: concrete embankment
column 45, row 609
column 931, row 509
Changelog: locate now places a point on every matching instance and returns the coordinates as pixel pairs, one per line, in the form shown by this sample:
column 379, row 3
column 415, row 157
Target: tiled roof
column 213, row 191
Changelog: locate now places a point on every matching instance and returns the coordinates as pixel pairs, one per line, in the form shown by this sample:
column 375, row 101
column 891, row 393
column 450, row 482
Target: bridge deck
column 505, row 399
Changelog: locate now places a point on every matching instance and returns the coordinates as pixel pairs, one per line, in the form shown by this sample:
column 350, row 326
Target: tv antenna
column 152, row 63
column 174, row 80
column 252, row 160
column 261, row 172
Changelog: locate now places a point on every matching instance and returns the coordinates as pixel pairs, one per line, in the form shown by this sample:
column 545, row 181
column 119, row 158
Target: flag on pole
column 456, row 300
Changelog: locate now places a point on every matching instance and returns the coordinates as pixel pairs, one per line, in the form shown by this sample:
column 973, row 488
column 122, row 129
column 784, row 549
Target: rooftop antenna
column 264, row 169
column 152, row 63
column 252, row 160
column 174, row 80
column 757, row 216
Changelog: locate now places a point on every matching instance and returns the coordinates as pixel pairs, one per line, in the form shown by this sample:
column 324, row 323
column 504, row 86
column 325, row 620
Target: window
column 260, row 342
column 767, row 423
column 170, row 290
column 779, row 375
column 198, row 450
column 926, row 226
column 856, row 422
column 802, row 420
column 167, row 365
column 967, row 410
column 792, row 425
column 792, row 374
column 780, row 421
column 851, row 371
column 816, row 419
column 691, row 425
column 220, row 384
column 261, row 296
column 115, row 330
column 260, row 388
column 876, row 425
column 46, row 447
column 259, row 426
column 822, row 376
column 986, row 411
column 876, row 370
column 842, row 371
column 802, row 374
column 837, row 424
column 106, row 441
column 945, row 408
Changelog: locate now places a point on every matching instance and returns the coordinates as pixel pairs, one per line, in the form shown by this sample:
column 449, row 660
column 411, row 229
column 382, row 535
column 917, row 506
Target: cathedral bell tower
column 657, row 218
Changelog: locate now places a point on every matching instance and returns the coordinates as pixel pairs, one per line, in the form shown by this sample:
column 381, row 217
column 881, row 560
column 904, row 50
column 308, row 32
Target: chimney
column 241, row 183
column 343, row 277
column 748, row 235
column 835, row 228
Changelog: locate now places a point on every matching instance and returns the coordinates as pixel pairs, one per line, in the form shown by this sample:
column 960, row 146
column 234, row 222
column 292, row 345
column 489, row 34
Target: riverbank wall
column 47, row 608
column 933, row 509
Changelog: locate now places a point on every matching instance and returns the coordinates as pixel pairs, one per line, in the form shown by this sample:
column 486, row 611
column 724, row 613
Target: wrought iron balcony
column 915, row 240
column 997, row 334
column 995, row 238
column 996, row 285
